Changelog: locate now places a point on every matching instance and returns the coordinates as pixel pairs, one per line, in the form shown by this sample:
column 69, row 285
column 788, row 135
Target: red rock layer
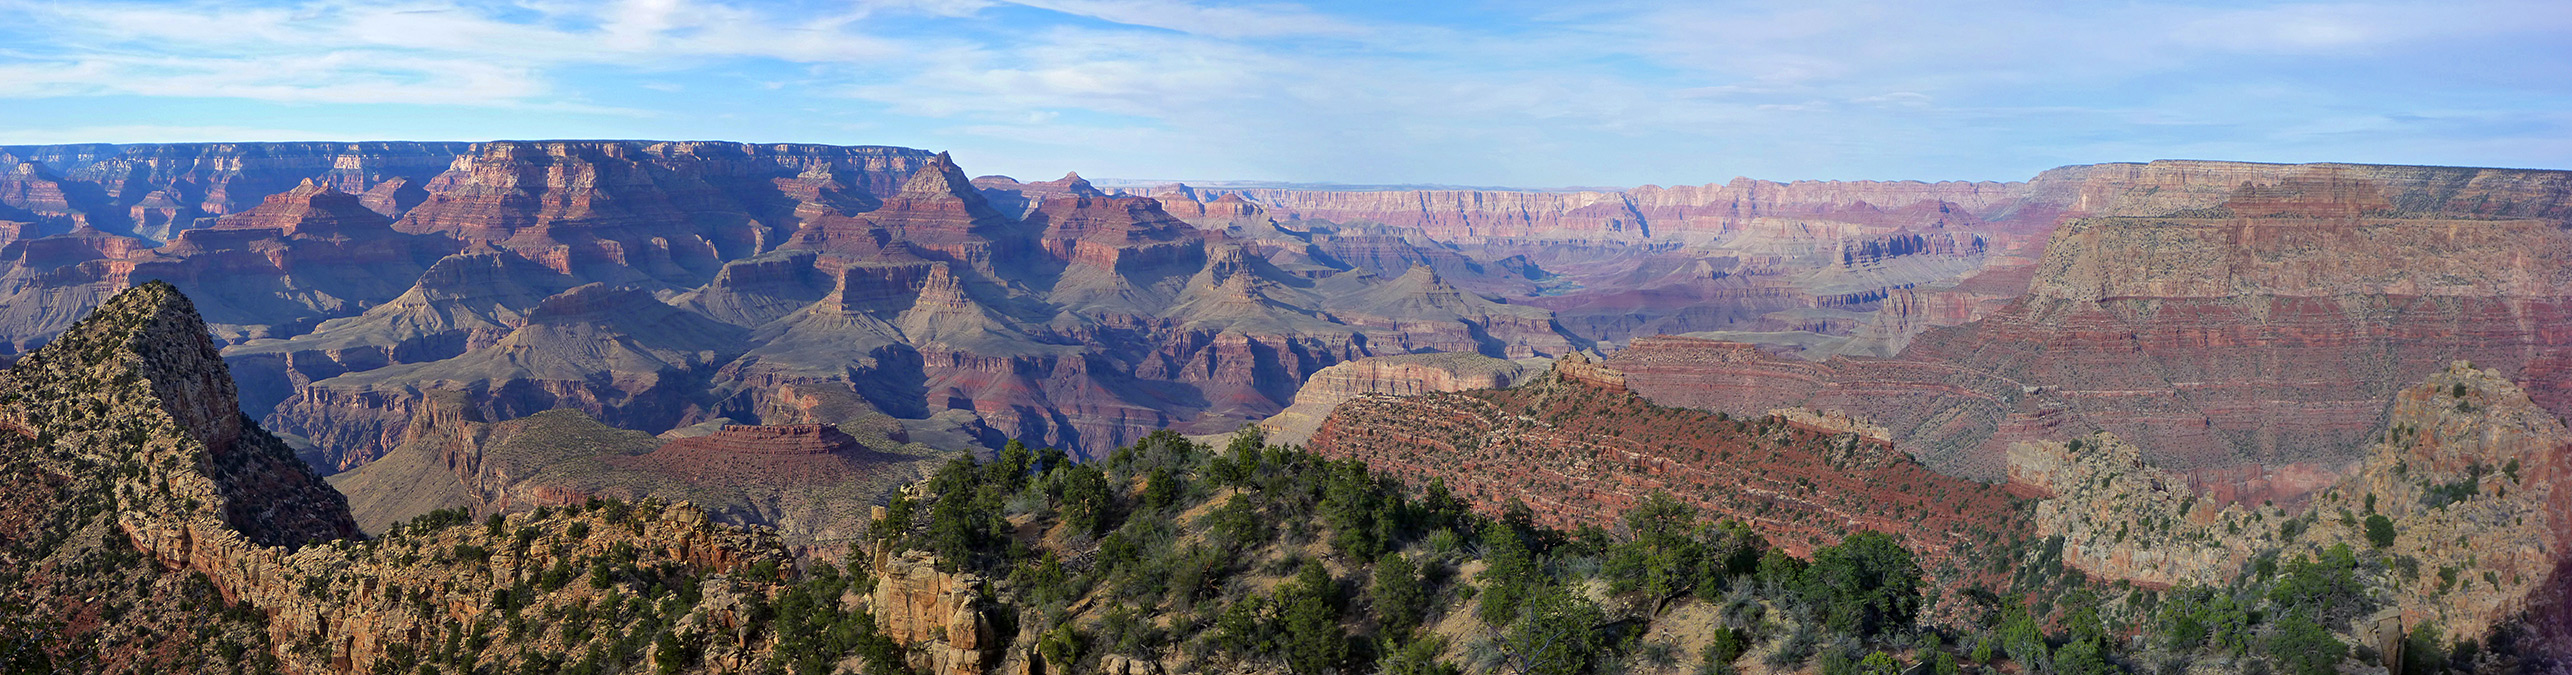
column 1580, row 450
column 1107, row 232
column 670, row 210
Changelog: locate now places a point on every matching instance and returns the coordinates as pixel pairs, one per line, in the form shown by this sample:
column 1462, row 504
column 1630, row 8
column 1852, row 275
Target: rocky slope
column 149, row 525
column 811, row 483
column 1402, row 375
column 2466, row 482
column 1578, row 447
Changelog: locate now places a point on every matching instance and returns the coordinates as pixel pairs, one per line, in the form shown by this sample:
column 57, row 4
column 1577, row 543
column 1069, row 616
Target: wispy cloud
column 429, row 53
column 1211, row 20
column 1496, row 91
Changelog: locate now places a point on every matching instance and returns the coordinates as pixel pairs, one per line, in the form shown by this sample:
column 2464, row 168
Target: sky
column 1459, row 92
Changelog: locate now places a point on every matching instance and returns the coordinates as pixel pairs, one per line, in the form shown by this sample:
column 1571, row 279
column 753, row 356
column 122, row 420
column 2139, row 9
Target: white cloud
column 173, row 134
column 1211, row 20
column 335, row 51
column 1642, row 91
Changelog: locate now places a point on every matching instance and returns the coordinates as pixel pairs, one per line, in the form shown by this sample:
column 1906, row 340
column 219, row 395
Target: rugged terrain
column 812, row 483
column 1402, row 375
column 2243, row 324
column 2458, row 512
column 149, row 525
column 814, row 284
column 1578, row 448
column 780, row 333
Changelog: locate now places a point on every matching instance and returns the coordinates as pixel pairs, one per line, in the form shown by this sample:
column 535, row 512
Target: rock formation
column 156, row 191
column 2257, row 325
column 846, row 281
column 2466, row 479
column 616, row 353
column 1579, row 448
column 937, row 615
column 811, row 483
column 1401, row 375
column 151, row 526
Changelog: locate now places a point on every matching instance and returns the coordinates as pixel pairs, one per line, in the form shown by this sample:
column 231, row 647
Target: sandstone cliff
column 941, row 617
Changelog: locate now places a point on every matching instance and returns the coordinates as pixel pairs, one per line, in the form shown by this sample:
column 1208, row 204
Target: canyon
column 656, row 286
column 2241, row 324
column 2161, row 374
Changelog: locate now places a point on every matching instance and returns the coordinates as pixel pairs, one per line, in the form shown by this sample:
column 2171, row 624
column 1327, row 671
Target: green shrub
column 1865, row 585
column 2303, row 647
column 2380, row 531
column 1399, row 596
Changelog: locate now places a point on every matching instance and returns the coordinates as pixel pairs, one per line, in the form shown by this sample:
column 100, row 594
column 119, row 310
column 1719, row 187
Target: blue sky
column 1475, row 93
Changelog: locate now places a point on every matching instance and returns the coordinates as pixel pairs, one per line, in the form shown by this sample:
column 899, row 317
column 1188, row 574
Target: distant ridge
column 1145, row 185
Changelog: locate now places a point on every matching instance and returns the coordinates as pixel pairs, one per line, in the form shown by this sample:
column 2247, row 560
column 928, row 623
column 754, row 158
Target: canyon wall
column 2466, row 482
column 2260, row 325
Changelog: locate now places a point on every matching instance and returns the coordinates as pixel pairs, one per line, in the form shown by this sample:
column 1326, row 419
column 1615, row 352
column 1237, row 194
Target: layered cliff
column 2259, row 325
column 156, row 191
column 1631, row 214
column 670, row 212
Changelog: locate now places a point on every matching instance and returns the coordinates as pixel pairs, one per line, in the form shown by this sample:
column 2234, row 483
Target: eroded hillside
column 150, row 526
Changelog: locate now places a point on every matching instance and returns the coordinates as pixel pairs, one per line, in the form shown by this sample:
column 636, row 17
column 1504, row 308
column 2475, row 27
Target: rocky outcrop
column 1400, row 375
column 168, row 381
column 936, row 215
column 938, row 616
column 1578, row 450
column 1022, row 199
column 165, row 513
column 2466, row 479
